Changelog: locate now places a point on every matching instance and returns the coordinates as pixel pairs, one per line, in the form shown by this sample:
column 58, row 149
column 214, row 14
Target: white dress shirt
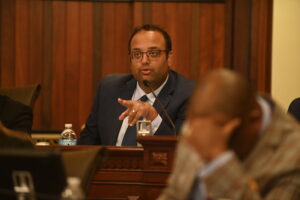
column 137, row 94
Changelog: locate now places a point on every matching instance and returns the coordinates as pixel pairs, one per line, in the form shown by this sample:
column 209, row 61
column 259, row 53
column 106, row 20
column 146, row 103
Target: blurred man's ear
column 255, row 120
column 255, row 114
column 170, row 58
column 231, row 126
column 235, row 133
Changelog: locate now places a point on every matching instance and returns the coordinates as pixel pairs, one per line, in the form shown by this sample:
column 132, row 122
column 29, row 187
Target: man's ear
column 231, row 126
column 129, row 57
column 170, row 58
column 255, row 114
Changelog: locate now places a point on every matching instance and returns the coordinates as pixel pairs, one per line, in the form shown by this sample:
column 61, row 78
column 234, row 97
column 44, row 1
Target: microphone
column 148, row 84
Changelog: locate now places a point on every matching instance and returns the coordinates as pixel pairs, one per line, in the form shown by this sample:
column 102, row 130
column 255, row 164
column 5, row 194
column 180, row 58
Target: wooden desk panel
column 132, row 172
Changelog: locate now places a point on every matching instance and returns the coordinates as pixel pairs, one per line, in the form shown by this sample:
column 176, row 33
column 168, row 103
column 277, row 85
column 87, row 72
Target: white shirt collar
column 139, row 92
column 266, row 113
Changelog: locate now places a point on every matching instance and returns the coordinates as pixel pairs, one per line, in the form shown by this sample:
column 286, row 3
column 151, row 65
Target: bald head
column 223, row 114
column 223, row 91
column 226, row 99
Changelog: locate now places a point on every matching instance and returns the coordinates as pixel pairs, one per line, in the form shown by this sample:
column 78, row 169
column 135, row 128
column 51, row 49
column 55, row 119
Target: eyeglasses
column 151, row 54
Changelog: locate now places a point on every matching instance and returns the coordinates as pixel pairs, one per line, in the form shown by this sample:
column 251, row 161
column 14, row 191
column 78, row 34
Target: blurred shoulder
column 116, row 79
column 183, row 83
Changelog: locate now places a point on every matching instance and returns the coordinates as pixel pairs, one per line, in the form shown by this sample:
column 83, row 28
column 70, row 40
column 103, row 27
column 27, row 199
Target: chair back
column 40, row 172
column 24, row 94
column 84, row 163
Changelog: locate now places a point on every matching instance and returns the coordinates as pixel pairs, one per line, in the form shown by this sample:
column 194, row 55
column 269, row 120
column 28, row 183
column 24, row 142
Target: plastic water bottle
column 68, row 136
column 73, row 190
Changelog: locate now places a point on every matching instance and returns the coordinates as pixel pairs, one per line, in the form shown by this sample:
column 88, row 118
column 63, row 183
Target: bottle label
column 66, row 142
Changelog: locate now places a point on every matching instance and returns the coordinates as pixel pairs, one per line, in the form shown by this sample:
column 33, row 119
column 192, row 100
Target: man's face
column 208, row 129
column 154, row 66
column 203, row 110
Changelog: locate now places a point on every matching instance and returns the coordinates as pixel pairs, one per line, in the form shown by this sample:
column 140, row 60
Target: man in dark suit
column 294, row 108
column 117, row 105
column 15, row 115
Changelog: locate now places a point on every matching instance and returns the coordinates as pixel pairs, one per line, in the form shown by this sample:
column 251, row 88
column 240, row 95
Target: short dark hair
column 151, row 27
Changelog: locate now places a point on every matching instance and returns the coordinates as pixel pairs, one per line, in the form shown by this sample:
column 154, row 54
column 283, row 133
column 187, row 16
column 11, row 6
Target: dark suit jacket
column 15, row 115
column 103, row 125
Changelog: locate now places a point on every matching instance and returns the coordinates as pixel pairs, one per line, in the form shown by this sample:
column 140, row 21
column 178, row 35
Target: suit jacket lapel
column 126, row 92
column 166, row 93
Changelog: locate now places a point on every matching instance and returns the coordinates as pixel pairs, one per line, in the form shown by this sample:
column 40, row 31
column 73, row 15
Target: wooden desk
column 133, row 172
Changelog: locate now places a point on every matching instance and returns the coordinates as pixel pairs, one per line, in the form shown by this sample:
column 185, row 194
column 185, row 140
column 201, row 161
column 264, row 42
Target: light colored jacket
column 271, row 171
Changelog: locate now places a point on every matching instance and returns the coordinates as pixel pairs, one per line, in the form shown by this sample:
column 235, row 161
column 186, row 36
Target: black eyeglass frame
column 148, row 54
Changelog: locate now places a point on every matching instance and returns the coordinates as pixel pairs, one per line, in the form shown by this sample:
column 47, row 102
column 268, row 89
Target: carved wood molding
column 159, row 159
column 124, row 163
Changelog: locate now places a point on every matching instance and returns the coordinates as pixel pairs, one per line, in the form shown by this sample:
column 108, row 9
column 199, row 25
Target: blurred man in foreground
column 235, row 145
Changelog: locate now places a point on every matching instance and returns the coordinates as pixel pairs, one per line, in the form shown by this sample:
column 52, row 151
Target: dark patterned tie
column 195, row 193
column 130, row 134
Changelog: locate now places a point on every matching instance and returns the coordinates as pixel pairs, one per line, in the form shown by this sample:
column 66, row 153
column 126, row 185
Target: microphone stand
column 148, row 84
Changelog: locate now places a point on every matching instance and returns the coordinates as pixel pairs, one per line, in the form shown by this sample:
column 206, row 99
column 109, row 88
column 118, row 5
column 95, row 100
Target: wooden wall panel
column 8, row 9
column 85, row 82
column 58, row 97
column 218, row 40
column 71, row 71
column 116, row 28
column 68, row 46
column 261, row 46
column 241, row 32
column 249, row 35
column 36, row 55
column 22, row 48
column 97, row 43
column 45, row 99
column 197, row 32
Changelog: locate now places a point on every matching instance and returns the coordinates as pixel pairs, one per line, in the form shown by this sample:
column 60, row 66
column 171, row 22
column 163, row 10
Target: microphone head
column 146, row 83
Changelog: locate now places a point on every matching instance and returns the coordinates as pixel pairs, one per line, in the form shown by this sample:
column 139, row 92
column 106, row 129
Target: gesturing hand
column 137, row 109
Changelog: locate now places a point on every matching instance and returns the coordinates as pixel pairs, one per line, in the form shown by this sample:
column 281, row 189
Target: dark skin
column 223, row 114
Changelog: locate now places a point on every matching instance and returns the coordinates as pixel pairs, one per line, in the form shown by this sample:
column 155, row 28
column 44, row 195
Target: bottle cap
column 73, row 180
column 68, row 125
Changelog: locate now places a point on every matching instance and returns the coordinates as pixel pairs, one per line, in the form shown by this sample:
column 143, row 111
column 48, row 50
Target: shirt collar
column 139, row 92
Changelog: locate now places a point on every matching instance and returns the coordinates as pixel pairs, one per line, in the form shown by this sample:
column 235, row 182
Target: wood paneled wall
column 67, row 46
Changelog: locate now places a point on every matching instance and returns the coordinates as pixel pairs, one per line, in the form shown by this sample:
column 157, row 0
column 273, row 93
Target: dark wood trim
column 1, row 18
column 229, row 16
column 133, row 1
column 240, row 34
column 261, row 40
column 249, row 40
